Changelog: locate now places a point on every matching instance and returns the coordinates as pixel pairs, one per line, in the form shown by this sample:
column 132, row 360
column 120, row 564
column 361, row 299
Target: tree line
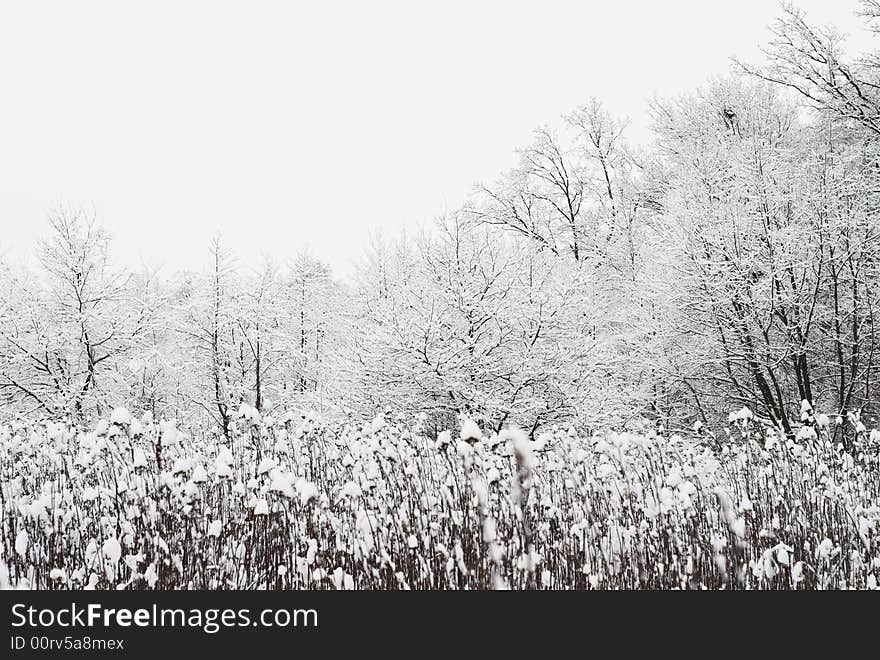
column 731, row 260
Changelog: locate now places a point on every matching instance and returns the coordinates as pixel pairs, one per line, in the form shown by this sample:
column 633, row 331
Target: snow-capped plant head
column 470, row 431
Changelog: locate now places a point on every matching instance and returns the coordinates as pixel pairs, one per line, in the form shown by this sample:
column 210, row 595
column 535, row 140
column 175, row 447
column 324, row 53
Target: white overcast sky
column 292, row 124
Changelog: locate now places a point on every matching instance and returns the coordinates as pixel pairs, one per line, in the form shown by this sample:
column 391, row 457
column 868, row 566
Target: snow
column 150, row 575
column 21, row 543
column 742, row 415
column 351, row 489
column 120, row 416
column 343, row 580
column 139, row 458
column 444, row 438
column 307, row 491
column 222, row 469
column 522, row 447
column 223, row 463
column 782, row 554
column 111, row 549
column 199, row 475
column 182, row 465
column 397, row 499
column 378, row 424
column 249, row 414
column 470, row 430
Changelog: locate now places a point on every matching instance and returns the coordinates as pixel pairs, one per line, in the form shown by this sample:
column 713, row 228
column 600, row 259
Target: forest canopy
column 730, row 261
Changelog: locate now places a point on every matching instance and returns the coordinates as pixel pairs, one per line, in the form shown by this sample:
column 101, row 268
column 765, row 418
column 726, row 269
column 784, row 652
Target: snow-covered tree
column 464, row 321
column 767, row 240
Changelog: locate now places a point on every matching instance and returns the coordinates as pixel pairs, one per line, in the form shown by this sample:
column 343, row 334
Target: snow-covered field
column 138, row 504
